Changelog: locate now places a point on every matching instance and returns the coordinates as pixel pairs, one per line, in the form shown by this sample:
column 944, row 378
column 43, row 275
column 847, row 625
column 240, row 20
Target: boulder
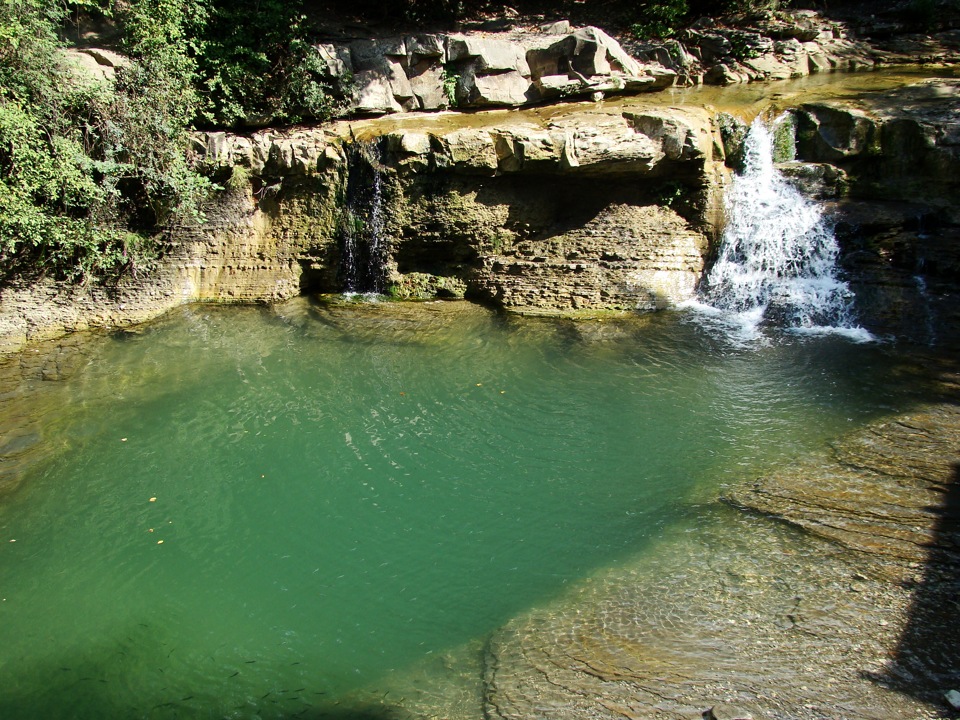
column 683, row 134
column 107, row 58
column 86, row 71
column 507, row 88
column 555, row 86
column 725, row 711
column 488, row 55
column 527, row 148
column 561, row 27
column 953, row 699
column 425, row 46
column 827, row 133
column 426, row 83
column 382, row 85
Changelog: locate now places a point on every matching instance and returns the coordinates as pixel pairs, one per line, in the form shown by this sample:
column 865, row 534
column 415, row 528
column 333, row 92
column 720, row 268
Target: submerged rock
column 760, row 620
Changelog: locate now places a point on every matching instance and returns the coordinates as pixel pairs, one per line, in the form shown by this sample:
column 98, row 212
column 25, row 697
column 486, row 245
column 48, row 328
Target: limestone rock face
column 93, row 66
column 830, row 133
column 381, row 80
column 417, row 72
column 627, row 258
column 511, row 212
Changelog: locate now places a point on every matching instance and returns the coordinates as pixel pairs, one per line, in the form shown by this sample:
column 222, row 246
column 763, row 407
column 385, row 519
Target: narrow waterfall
column 777, row 259
column 363, row 247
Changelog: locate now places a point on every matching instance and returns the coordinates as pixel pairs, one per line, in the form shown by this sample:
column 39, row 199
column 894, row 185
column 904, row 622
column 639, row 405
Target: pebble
column 953, row 699
column 723, row 711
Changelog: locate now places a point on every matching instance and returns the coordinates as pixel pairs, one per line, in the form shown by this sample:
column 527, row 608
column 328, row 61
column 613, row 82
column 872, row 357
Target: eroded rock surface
column 855, row 616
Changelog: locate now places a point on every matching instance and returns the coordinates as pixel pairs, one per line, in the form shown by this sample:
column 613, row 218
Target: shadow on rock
column 926, row 663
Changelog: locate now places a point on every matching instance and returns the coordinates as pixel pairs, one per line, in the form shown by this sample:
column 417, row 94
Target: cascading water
column 363, row 247
column 777, row 259
column 376, row 243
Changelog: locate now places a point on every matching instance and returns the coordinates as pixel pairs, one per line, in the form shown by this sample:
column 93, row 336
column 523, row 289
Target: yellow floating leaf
column 159, row 542
column 153, row 499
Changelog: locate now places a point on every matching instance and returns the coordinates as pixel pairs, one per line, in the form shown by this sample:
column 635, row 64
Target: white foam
column 777, row 260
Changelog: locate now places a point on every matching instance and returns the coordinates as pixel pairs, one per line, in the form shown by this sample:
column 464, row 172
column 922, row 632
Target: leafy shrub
column 450, row 79
column 659, row 19
column 255, row 65
column 88, row 173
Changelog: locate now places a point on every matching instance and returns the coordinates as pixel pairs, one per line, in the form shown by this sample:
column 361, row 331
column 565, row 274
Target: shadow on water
column 926, row 661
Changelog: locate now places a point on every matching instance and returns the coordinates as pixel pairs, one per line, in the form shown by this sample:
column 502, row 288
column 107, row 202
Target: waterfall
column 777, row 259
column 363, row 246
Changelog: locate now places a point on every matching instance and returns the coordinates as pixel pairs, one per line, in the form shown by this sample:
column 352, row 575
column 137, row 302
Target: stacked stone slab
column 439, row 71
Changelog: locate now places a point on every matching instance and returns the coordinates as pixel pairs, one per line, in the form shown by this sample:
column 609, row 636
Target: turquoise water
column 256, row 512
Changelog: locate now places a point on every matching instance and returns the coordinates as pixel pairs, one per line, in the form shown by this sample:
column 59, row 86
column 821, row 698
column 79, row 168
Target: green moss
column 424, row 286
column 785, row 139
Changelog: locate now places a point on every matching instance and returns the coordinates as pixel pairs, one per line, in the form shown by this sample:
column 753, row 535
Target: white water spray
column 778, row 255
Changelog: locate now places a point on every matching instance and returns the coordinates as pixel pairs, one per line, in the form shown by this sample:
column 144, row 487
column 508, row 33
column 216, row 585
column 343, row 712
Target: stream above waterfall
column 745, row 101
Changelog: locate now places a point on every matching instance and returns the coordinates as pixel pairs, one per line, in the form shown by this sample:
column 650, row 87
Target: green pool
column 256, row 512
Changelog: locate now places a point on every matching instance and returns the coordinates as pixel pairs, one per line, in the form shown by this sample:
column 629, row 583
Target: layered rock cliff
column 557, row 209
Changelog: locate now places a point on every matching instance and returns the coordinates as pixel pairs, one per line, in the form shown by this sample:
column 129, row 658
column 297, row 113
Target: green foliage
column 753, row 7
column 670, row 193
column 659, row 19
column 89, row 172
column 450, row 80
column 740, row 47
column 255, row 65
column 785, row 139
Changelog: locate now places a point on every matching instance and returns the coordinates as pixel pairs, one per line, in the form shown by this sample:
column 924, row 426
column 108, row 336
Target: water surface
column 254, row 512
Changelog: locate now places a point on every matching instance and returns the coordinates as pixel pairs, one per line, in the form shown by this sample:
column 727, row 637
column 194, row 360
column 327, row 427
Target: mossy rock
column 424, row 286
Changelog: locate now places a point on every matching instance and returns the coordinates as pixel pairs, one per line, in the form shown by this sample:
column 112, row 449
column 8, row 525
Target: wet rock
column 733, row 133
column 827, row 133
column 726, row 712
column 879, row 494
column 706, row 618
column 821, row 181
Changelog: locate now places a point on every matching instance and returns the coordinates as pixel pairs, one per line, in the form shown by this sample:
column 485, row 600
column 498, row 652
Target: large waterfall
column 777, row 259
